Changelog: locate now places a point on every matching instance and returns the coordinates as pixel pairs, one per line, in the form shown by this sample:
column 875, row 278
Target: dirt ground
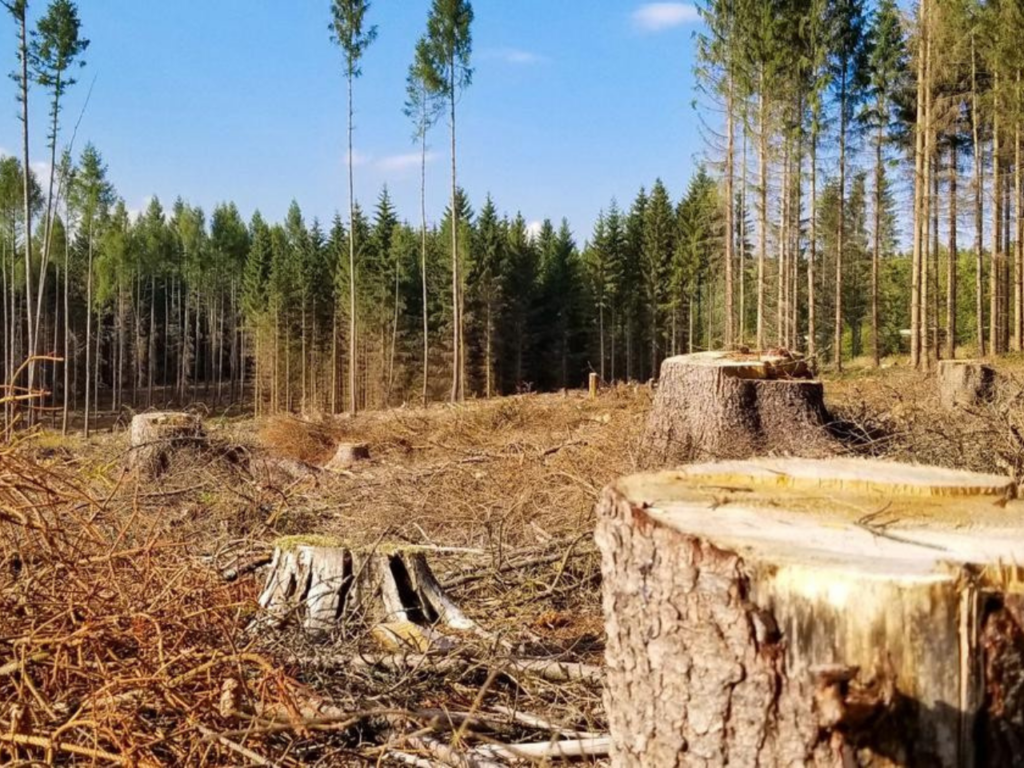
column 121, row 636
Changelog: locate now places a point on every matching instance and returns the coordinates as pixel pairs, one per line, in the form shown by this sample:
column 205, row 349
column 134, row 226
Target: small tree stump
column 734, row 405
column 806, row 612
column 347, row 455
column 322, row 584
column 965, row 382
column 156, row 436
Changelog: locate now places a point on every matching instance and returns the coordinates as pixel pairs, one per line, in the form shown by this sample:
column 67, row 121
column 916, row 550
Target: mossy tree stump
column 733, row 405
column 322, row 584
column 965, row 383
column 156, row 436
column 813, row 612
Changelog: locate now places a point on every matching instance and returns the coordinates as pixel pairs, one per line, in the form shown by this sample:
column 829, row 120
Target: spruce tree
column 350, row 32
column 447, row 73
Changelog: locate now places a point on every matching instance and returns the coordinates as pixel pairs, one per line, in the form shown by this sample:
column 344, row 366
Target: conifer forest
column 859, row 181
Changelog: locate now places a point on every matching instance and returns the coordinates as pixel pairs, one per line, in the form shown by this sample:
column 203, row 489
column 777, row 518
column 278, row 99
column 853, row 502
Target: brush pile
column 127, row 608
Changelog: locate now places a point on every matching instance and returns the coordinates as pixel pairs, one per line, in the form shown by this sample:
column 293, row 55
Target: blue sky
column 572, row 102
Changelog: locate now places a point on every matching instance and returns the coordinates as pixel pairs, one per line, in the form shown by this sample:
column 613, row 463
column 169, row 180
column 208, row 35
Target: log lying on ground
column 809, row 612
column 347, row 455
column 156, row 436
column 321, row 583
column 732, row 405
column 965, row 382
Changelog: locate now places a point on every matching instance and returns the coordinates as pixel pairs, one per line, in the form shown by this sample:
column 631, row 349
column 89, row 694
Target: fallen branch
column 546, row 750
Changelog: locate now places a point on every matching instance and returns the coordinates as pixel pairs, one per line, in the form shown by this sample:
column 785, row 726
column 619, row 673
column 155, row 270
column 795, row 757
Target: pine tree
column 659, row 232
column 848, row 50
column 348, row 19
column 447, row 73
column 887, row 65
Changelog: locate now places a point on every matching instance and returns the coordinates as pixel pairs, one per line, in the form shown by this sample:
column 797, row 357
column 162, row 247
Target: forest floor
column 122, row 633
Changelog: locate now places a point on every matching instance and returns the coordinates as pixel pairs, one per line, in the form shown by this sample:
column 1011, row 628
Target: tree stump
column 322, row 584
column 348, row 454
column 714, row 405
column 965, row 382
column 156, row 436
column 784, row 612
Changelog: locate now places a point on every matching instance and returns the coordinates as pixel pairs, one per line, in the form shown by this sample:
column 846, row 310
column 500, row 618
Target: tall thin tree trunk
column 742, row 228
column 458, row 387
column 762, row 244
column 423, row 259
column 729, row 209
column 979, row 218
column 352, row 337
column 67, row 327
column 31, row 321
column 951, row 266
column 997, row 219
column 876, row 252
column 837, row 352
column 915, row 270
column 812, row 252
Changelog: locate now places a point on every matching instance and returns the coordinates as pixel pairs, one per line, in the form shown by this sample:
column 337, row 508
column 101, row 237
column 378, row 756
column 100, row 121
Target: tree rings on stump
column 321, row 584
column 732, row 405
column 965, row 382
column 156, row 436
column 813, row 612
column 348, row 454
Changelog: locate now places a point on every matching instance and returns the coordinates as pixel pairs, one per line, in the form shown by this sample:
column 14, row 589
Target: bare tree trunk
column 915, row 271
column 837, row 352
column 67, row 326
column 951, row 267
column 979, row 183
column 423, row 261
column 762, row 245
column 353, row 406
column 729, row 210
column 876, row 253
column 812, row 252
column 1018, row 275
column 31, row 321
column 457, row 383
column 995, row 264
column 742, row 228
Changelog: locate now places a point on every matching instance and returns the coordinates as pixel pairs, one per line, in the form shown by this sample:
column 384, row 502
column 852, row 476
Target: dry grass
column 120, row 634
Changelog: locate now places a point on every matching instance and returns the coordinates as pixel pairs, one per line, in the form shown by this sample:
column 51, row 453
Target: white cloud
column 402, row 162
column 655, row 17
column 358, row 158
column 514, row 56
column 533, row 229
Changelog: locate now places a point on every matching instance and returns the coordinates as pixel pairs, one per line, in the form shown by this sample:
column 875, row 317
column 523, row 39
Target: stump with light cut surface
column 155, row 437
column 321, row 584
column 348, row 454
column 965, row 383
column 813, row 612
column 713, row 405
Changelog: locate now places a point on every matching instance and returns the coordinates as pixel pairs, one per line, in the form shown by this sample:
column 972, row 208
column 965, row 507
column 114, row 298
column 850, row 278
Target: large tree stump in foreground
column 784, row 612
column 156, row 436
column 965, row 382
column 321, row 584
column 732, row 405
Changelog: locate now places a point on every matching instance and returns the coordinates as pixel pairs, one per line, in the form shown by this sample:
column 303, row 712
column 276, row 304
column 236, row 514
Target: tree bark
column 729, row 405
column 882, row 634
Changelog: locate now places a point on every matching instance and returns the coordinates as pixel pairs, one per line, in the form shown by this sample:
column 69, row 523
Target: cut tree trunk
column 965, row 382
column 736, row 405
column 155, row 437
column 347, row 455
column 322, row 584
column 813, row 612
